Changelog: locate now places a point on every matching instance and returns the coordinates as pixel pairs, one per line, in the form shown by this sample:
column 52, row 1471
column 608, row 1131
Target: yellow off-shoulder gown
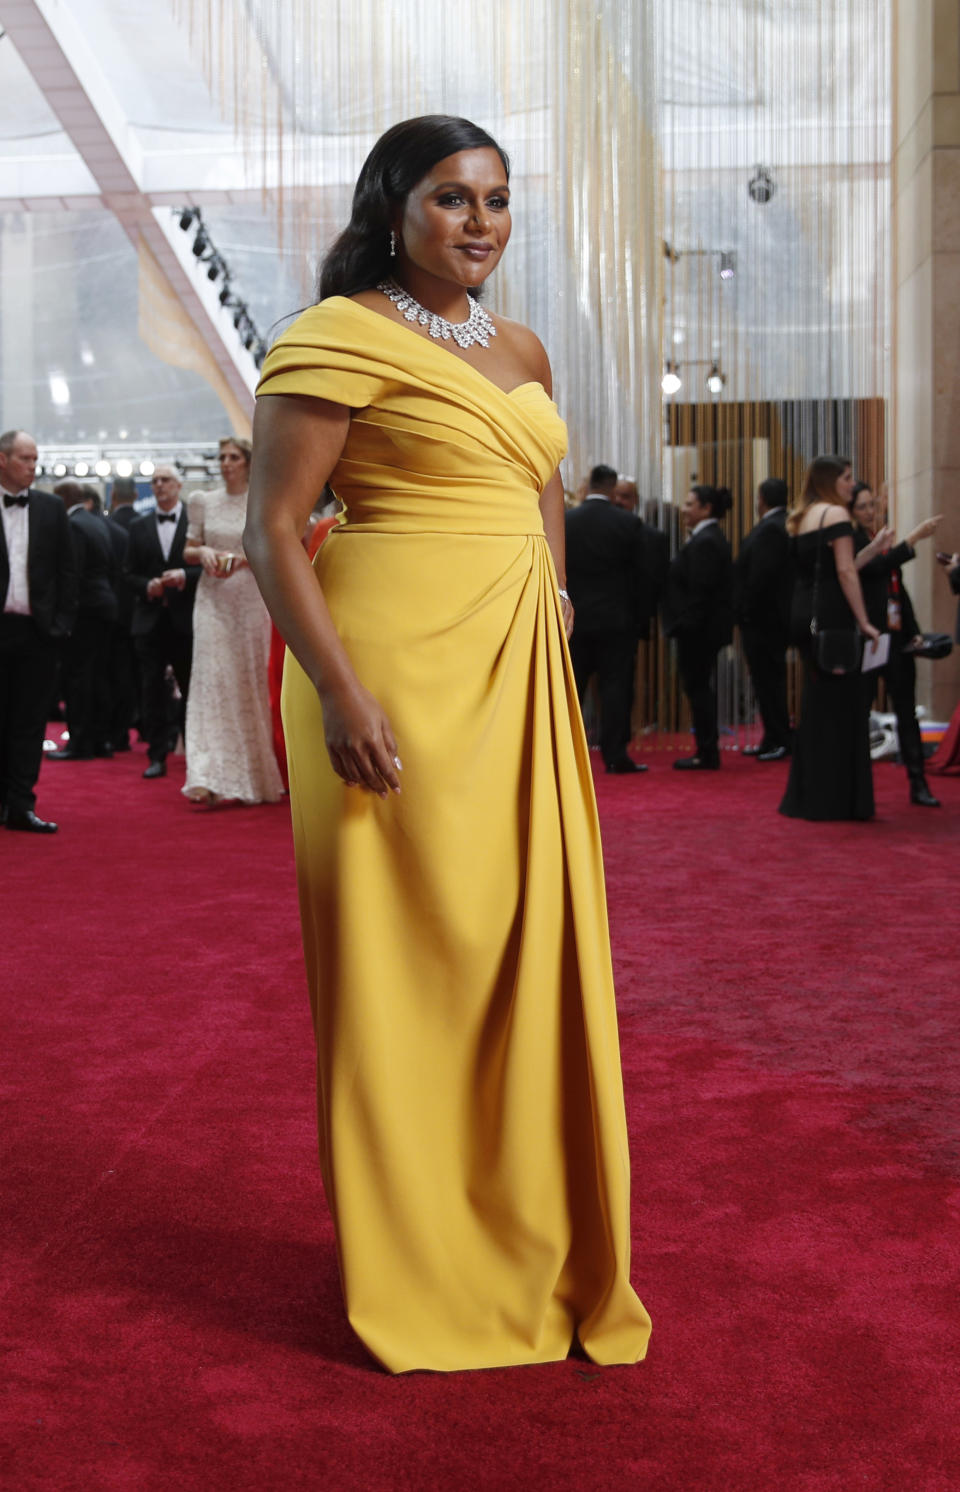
column 472, row 1133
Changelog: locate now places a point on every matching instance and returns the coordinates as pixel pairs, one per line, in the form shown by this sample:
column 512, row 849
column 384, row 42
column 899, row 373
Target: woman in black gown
column 830, row 771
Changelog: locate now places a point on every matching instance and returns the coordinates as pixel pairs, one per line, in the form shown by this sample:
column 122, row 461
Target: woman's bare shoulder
column 525, row 346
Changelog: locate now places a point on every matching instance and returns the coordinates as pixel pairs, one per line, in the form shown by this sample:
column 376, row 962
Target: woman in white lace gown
column 229, row 736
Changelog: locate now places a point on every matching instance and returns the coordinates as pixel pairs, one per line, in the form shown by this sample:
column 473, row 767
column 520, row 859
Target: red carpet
column 171, row 1315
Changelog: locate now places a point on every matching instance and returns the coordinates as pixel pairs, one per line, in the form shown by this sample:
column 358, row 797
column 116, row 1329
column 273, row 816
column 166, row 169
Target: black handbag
column 836, row 650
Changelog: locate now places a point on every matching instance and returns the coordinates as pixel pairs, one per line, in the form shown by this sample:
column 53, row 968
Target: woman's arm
column 553, row 513
column 297, row 442
column 850, row 583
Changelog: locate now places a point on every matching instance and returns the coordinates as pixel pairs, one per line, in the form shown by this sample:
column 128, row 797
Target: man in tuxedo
column 86, row 665
column 763, row 586
column 606, row 577
column 124, row 673
column 162, row 626
column 656, row 552
column 698, row 612
column 38, row 602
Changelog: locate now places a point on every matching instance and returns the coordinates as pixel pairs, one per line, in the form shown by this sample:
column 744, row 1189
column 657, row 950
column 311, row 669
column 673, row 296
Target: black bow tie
column 166, row 517
column 14, row 502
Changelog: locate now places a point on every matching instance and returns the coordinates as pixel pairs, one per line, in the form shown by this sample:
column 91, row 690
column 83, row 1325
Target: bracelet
column 564, row 595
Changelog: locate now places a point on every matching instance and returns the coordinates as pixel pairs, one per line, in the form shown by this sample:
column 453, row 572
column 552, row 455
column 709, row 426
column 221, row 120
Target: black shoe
column 775, row 754
column 29, row 823
column 921, row 794
column 156, row 769
column 626, row 765
column 697, row 764
column 67, row 754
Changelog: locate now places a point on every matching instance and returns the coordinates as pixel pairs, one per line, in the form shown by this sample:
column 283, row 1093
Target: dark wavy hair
column 360, row 257
column 718, row 499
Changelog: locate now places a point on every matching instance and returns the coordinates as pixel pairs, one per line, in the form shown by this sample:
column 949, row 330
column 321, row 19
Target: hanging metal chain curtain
column 700, row 181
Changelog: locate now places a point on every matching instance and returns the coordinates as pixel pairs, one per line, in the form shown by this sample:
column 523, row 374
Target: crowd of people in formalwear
column 831, row 554
column 100, row 611
column 119, row 614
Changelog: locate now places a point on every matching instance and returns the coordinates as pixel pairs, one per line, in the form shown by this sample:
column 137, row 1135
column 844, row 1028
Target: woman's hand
column 566, row 608
column 866, row 630
column 360, row 741
column 203, row 555
column 924, row 530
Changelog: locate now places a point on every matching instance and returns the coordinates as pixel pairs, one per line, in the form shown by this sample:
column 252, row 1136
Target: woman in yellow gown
column 472, row 1133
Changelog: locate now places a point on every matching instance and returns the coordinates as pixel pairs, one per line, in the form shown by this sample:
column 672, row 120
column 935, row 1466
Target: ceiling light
column 147, row 468
column 200, row 243
column 226, row 294
column 124, row 468
column 86, row 355
column 59, row 389
column 187, row 216
column 671, row 381
column 716, row 379
column 81, row 469
column 728, row 265
column 215, row 266
column 59, row 468
column 102, row 468
column 123, row 434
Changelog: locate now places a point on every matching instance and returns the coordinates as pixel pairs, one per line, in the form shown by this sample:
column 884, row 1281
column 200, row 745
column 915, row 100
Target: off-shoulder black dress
column 831, row 776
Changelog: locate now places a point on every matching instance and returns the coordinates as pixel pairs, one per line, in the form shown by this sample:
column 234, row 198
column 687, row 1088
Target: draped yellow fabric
column 472, row 1131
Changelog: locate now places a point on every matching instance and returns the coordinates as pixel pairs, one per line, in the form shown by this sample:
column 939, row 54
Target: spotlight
column 200, row 242
column 214, row 268
column 716, row 379
column 761, row 186
column 81, row 469
column 728, row 265
column 249, row 337
column 240, row 314
column 59, row 468
column 124, row 468
column 187, row 217
column 226, row 294
column 671, row 381
column 147, row 468
column 103, row 468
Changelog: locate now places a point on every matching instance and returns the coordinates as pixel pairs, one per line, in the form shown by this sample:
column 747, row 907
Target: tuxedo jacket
column 954, row 579
column 145, row 561
column 51, row 567
column 698, row 601
column 98, row 568
column 606, row 570
column 763, row 576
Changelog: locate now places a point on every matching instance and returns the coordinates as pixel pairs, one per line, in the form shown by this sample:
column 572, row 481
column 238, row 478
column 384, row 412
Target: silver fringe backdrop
column 699, row 182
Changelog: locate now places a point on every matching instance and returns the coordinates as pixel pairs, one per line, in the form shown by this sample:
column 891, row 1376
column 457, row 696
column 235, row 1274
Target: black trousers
column 611, row 656
column 86, row 684
column 766, row 654
column 28, row 671
column 698, row 664
column 125, row 684
column 156, row 650
column 901, row 676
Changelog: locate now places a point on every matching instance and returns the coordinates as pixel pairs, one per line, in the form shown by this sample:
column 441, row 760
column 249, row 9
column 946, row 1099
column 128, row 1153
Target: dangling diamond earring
column 393, row 244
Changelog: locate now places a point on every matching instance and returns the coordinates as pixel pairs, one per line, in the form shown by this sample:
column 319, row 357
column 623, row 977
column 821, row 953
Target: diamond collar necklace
column 478, row 326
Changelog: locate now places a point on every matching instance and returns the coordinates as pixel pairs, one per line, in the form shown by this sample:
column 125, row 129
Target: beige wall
column 925, row 446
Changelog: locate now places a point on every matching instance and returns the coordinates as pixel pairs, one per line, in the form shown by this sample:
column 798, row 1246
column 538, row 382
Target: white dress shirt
column 166, row 532
column 16, row 531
